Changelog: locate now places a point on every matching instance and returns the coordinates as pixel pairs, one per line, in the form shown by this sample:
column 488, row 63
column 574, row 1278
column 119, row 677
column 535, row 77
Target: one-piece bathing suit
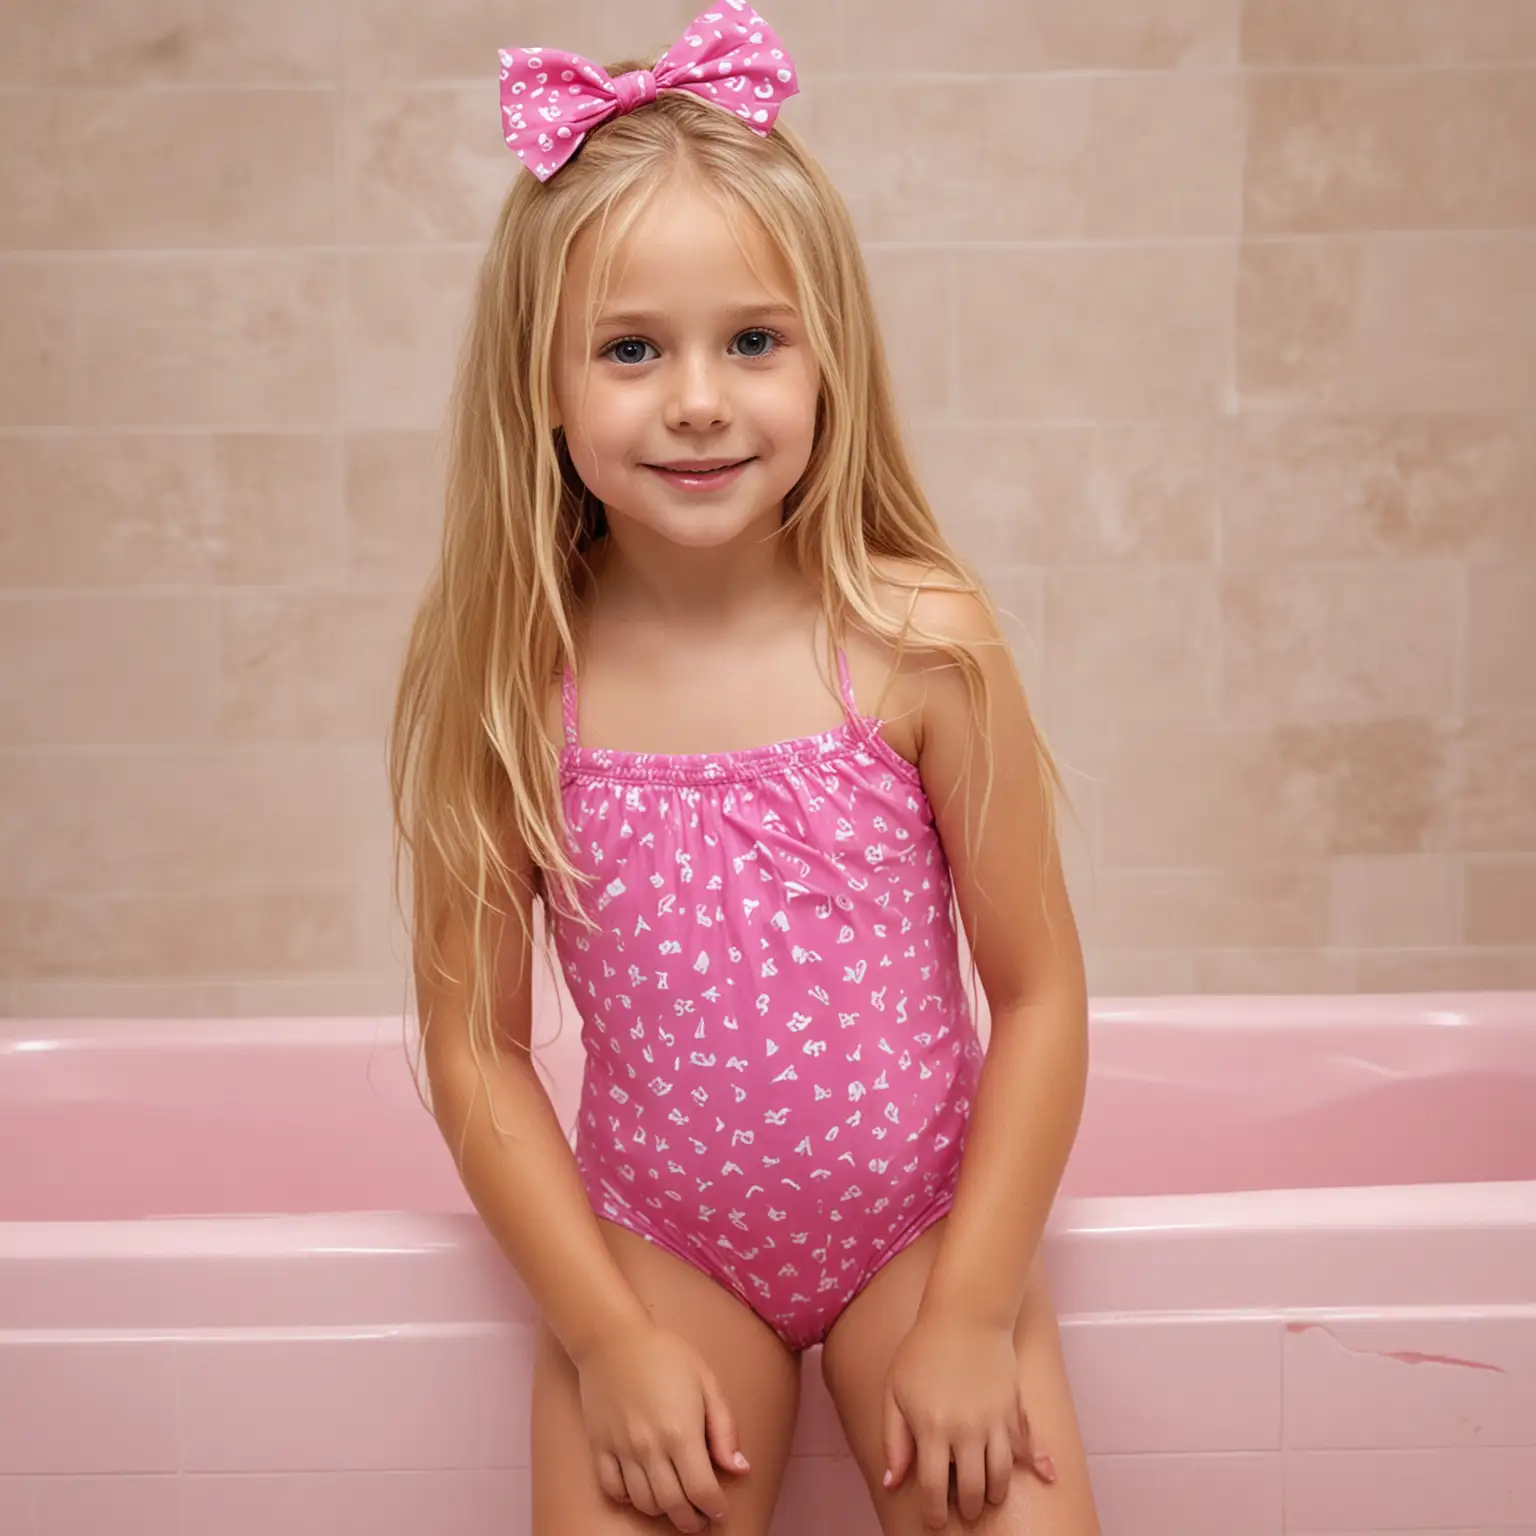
column 780, row 1054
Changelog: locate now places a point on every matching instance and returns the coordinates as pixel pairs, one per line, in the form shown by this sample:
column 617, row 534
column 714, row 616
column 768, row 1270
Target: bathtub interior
column 1243, row 1360
column 128, row 1121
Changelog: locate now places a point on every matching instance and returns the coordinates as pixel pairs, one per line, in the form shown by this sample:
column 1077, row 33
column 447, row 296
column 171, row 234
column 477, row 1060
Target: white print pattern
column 867, row 1141
column 742, row 55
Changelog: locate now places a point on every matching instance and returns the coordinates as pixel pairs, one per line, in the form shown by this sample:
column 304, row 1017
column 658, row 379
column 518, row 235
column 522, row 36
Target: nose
column 698, row 397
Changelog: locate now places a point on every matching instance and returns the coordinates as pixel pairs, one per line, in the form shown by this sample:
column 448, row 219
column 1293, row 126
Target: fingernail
column 1048, row 1467
column 740, row 1461
column 887, row 1478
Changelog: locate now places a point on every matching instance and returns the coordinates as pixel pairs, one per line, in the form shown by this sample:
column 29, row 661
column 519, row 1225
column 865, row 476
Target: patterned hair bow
column 551, row 100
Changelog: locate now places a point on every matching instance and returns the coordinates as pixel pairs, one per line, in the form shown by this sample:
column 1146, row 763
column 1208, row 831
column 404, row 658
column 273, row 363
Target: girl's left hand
column 952, row 1396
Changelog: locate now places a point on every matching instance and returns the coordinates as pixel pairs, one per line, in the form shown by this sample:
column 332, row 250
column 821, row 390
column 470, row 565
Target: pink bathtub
column 241, row 1290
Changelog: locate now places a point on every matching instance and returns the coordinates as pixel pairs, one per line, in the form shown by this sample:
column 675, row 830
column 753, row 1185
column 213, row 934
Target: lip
column 701, row 475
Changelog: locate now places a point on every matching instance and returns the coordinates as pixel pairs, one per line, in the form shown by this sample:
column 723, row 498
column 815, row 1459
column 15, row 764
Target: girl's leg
column 759, row 1376
column 858, row 1353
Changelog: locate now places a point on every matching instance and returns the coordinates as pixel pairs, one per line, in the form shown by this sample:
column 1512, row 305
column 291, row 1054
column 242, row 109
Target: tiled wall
column 1215, row 325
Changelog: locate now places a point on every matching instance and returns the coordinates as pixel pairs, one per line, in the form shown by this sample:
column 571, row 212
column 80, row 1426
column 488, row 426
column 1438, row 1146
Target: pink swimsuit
column 780, row 1057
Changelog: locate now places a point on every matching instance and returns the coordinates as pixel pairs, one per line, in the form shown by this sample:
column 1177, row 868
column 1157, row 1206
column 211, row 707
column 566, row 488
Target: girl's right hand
column 658, row 1422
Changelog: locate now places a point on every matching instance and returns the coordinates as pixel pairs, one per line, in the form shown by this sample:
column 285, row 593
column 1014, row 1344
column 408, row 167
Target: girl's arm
column 1013, row 903
column 655, row 1416
column 524, row 1185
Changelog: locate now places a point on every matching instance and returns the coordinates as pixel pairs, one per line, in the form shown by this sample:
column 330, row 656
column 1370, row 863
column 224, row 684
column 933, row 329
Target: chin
column 704, row 527
column 704, row 532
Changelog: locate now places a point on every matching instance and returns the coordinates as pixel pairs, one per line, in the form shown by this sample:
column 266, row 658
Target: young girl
column 699, row 678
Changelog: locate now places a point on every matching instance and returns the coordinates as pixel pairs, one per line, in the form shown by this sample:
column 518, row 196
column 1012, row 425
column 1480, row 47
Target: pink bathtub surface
column 123, row 1121
column 241, row 1289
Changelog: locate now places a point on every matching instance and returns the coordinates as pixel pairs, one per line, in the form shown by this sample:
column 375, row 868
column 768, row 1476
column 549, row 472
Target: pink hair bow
column 551, row 100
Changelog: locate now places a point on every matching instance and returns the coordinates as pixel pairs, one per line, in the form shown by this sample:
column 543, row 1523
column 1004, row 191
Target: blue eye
column 631, row 351
column 762, row 342
column 625, row 351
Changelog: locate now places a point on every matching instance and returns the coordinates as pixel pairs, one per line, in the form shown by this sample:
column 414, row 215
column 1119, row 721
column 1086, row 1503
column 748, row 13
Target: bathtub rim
column 1267, row 1251
column 1358, row 1244
column 1238, row 1012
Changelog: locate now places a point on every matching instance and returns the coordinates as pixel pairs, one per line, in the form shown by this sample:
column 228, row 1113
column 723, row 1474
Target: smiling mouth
column 708, row 467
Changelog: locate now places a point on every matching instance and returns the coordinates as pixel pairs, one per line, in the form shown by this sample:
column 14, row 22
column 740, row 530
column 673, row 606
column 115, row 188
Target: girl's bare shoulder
column 893, row 682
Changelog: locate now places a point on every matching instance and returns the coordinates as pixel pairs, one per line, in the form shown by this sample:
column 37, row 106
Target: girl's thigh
column 759, row 1376
column 857, row 1355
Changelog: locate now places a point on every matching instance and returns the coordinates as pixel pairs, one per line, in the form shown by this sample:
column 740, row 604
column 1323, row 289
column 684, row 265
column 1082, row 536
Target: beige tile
column 1139, row 973
column 211, row 340
column 1093, row 332
column 1082, row 883
column 407, row 312
column 160, row 42
column 104, row 510
column 1273, row 972
column 973, row 36
column 385, row 998
column 1253, row 908
column 42, row 375
column 424, row 164
column 178, row 822
column 383, row 941
column 395, row 489
column 122, row 1000
column 1298, row 312
column 1081, row 868
column 106, row 669
column 146, row 509
column 1446, row 970
column 23, row 41
column 896, row 156
column 1138, row 492
column 202, row 937
column 1357, row 151
column 278, row 509
column 1191, row 795
column 1394, row 901
column 1136, row 642
column 1308, row 488
column 310, row 668
column 382, row 892
column 1077, row 821
column 151, row 169
column 1415, row 322
column 1500, row 903
column 912, row 298
column 35, row 197
column 1018, row 593
column 1340, row 643
column 458, row 39
column 1088, row 744
column 1501, row 636
column 1495, row 784
column 1389, row 32
column 1165, row 156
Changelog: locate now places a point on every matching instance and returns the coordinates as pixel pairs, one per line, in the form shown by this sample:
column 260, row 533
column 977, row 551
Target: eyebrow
column 640, row 318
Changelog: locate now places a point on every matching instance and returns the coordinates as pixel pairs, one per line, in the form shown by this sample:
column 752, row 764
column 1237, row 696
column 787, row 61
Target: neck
column 653, row 579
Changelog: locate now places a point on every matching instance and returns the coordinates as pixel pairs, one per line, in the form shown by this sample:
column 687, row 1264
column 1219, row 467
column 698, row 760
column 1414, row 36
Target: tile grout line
column 1470, row 69
column 341, row 315
column 1059, row 245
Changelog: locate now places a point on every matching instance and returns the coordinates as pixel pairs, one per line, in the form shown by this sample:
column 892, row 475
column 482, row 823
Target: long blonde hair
column 470, row 758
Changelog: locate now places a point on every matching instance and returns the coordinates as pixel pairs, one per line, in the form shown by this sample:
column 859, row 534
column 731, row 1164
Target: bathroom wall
column 1215, row 327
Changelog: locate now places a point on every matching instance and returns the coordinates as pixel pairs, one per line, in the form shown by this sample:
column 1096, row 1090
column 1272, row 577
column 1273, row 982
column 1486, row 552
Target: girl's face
column 689, row 401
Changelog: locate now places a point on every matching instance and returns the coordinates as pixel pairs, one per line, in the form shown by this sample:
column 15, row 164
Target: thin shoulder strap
column 568, row 705
column 845, row 684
